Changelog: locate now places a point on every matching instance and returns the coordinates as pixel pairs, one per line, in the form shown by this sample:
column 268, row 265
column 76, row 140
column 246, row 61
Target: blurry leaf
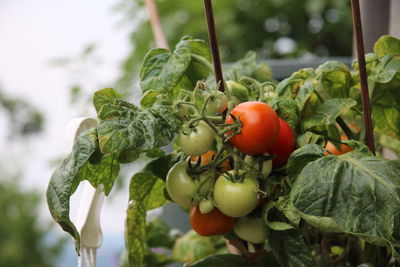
column 124, row 126
column 253, row 87
column 105, row 96
column 290, row 249
column 321, row 194
column 390, row 142
column 157, row 234
column 327, row 112
column 155, row 153
column 126, row 156
column 230, row 260
column 290, row 87
column 249, row 66
column 387, row 45
column 335, row 79
column 192, row 247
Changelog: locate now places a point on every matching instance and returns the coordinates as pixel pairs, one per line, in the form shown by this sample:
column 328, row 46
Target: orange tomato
column 330, row 147
column 207, row 157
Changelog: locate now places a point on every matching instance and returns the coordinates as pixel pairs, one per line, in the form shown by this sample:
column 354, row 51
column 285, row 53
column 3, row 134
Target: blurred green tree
column 22, row 237
column 272, row 28
column 24, row 240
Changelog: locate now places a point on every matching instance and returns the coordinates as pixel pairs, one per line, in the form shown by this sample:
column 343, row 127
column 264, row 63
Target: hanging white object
column 88, row 220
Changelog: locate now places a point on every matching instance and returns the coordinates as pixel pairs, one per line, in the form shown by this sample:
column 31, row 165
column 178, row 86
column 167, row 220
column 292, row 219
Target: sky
column 33, row 34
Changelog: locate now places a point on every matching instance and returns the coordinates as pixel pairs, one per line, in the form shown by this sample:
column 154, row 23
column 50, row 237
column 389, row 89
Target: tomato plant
column 236, row 198
column 212, row 223
column 259, row 130
column 305, row 207
column 284, row 146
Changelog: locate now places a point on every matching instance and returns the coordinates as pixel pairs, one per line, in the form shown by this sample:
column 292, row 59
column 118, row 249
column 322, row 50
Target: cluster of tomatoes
column 220, row 184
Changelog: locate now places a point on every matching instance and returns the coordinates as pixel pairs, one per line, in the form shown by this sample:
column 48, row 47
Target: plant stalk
column 212, row 36
column 158, row 32
column 355, row 7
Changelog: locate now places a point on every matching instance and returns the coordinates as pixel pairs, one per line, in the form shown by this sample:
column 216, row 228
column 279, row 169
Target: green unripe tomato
column 266, row 165
column 217, row 103
column 238, row 91
column 252, row 230
column 236, row 199
column 182, row 188
column 205, row 206
column 198, row 141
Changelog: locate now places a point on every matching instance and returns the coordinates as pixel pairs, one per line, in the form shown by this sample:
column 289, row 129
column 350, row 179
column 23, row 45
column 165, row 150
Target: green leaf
column 105, row 96
column 124, row 126
column 149, row 98
column 200, row 64
column 387, row 45
column 289, row 87
column 192, row 247
column 158, row 234
column 167, row 73
column 146, row 192
column 249, row 66
column 327, row 112
column 353, row 194
column 308, row 138
column 155, row 153
column 301, row 157
column 65, row 180
column 104, row 172
column 160, row 166
column 230, row 260
column 274, row 225
column 385, row 99
column 290, row 250
column 305, row 91
column 335, row 79
column 287, row 110
column 390, row 142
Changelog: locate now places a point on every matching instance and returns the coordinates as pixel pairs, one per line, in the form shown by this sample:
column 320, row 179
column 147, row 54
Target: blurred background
column 55, row 54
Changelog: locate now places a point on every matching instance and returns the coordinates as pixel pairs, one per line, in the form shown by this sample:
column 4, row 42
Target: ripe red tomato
column 284, row 146
column 332, row 148
column 212, row 223
column 260, row 127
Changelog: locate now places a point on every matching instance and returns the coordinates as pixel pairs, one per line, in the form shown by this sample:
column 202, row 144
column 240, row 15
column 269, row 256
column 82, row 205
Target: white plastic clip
column 88, row 220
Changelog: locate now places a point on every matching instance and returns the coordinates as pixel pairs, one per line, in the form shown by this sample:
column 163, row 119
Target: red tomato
column 212, row 223
column 343, row 148
column 260, row 127
column 284, row 146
